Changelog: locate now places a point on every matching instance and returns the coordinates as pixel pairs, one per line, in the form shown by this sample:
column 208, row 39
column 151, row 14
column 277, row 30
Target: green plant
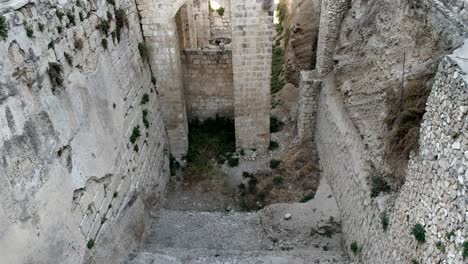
column 308, row 197
column 278, row 180
column 68, row 58
column 414, row 261
column 385, row 221
column 277, row 80
column 29, row 30
column 55, row 74
column 274, row 163
column 355, row 248
column 3, row 28
column 378, row 185
column 78, row 3
column 40, row 26
column 273, row 145
column 233, row 162
column 59, row 14
column 145, row 50
column 136, row 148
column 440, row 246
column 90, row 244
column 275, row 124
column 220, row 11
column 253, row 185
column 465, row 250
column 144, row 99
column 104, row 27
column 121, row 21
column 104, row 43
column 111, row 2
column 135, row 134
column 450, row 234
column 419, row 233
column 71, row 18
column 145, row 118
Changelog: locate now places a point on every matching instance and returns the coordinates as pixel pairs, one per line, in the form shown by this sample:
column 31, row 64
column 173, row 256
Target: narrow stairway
column 279, row 234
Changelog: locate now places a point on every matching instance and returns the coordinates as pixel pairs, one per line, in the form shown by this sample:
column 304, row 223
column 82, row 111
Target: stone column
column 309, row 97
column 252, row 31
column 332, row 14
column 160, row 32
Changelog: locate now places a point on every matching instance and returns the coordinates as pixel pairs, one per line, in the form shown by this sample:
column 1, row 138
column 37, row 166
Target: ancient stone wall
column 434, row 193
column 309, row 97
column 209, row 91
column 252, row 24
column 84, row 151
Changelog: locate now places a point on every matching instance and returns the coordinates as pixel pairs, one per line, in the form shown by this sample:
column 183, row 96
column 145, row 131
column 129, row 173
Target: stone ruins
column 234, row 131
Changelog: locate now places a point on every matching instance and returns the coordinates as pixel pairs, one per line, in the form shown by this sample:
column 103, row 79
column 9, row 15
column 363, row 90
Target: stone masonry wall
column 252, row 35
column 71, row 96
column 434, row 193
column 209, row 91
column 309, row 95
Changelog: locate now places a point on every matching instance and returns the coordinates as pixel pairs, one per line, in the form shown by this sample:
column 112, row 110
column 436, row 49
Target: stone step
column 210, row 230
column 206, row 256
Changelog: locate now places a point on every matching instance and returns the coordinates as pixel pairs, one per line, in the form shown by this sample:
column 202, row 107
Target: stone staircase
column 266, row 236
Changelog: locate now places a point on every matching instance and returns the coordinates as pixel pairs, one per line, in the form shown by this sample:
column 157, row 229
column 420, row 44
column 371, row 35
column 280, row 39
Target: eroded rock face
column 375, row 37
column 302, row 23
column 71, row 95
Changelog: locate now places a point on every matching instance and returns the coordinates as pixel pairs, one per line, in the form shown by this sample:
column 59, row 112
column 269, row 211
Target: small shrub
column 40, row 26
column 135, row 134
column 221, row 11
column 276, row 125
column 308, row 197
column 121, row 21
column 71, row 18
column 145, row 118
column 440, row 246
column 355, row 248
column 145, row 99
column 465, row 250
column 274, row 163
column 419, row 233
column 273, row 145
column 385, row 221
column 29, row 31
column 104, row 27
column 104, row 43
column 55, row 74
column 3, row 28
column 68, row 58
column 79, row 44
column 277, row 79
column 233, row 162
column 278, row 180
column 90, row 244
column 145, row 50
column 378, row 185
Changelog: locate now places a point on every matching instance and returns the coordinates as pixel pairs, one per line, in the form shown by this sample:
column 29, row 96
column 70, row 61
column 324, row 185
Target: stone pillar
column 332, row 14
column 160, row 32
column 252, row 33
column 309, row 97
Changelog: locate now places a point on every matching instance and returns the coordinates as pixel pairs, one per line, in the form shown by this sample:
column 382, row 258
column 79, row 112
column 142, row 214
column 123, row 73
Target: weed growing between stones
column 40, row 26
column 308, row 197
column 385, row 221
column 276, row 125
column 278, row 180
column 145, row 118
column 440, row 246
column 136, row 148
column 221, row 11
column 465, row 250
column 273, row 145
column 3, row 28
column 144, row 99
column 209, row 141
column 90, row 244
column 121, row 21
column 104, row 43
column 355, row 248
column 378, row 185
column 274, row 164
column 104, row 27
column 71, row 18
column 277, row 79
column 419, row 233
column 135, row 134
column 29, row 30
column 414, row 261
column 233, row 161
column 450, row 234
